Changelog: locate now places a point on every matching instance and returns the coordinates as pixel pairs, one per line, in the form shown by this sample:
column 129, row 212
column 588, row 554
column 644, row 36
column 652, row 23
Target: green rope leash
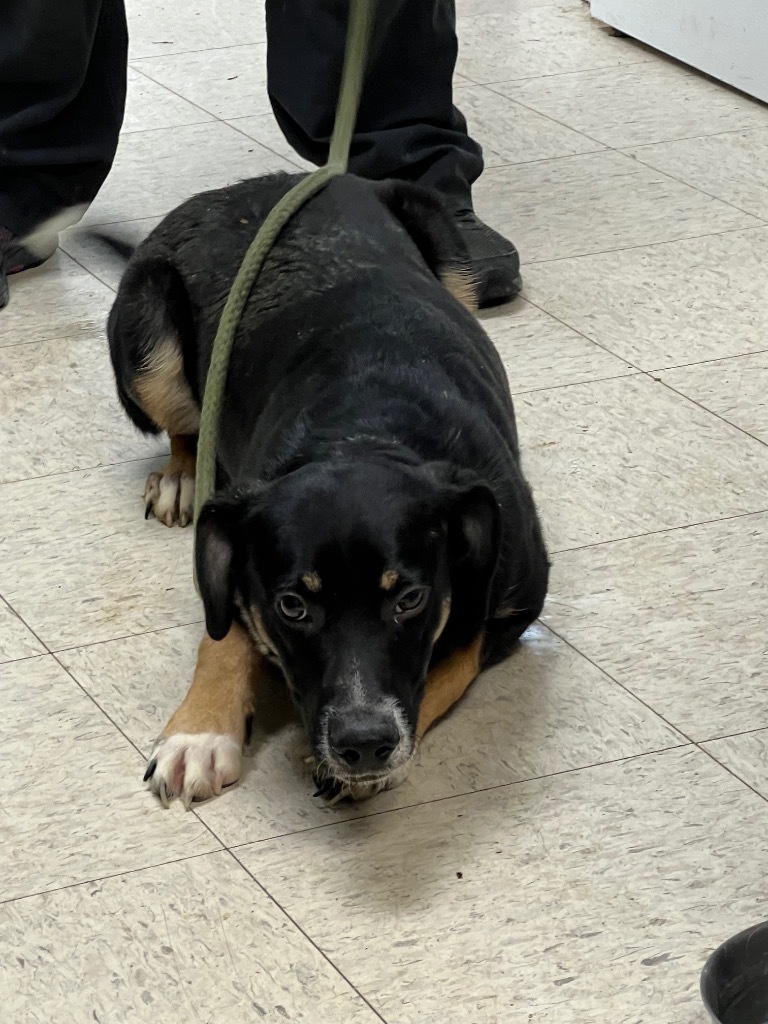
column 358, row 35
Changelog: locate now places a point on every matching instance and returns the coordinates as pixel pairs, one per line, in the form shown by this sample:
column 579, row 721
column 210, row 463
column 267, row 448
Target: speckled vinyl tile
column 627, row 456
column 545, row 710
column 591, row 203
column 16, row 641
column 57, row 300
column 590, row 897
column 157, row 170
column 664, row 305
column 524, row 40
column 629, row 106
column 79, row 563
column 73, row 805
column 736, row 389
column 678, row 618
column 732, row 166
column 228, row 82
column 196, row 941
column 540, row 352
column 50, row 427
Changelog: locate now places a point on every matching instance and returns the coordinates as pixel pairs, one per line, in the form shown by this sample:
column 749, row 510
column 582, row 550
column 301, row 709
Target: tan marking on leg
column 312, row 582
column 462, row 286
column 163, row 392
column 170, row 494
column 388, row 579
column 200, row 749
column 222, row 692
column 447, row 682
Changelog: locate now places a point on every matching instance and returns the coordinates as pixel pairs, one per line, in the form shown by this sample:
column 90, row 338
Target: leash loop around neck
column 352, row 78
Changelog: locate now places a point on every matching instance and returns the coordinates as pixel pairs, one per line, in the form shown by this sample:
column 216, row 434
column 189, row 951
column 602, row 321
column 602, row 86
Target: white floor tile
column 229, row 82
column 664, row 305
column 627, row 456
column 736, row 389
column 161, row 27
column 591, row 897
column 526, row 40
column 595, row 202
column 74, row 807
column 155, row 171
column 150, row 106
column 732, row 166
column 196, row 941
column 630, row 106
column 16, row 641
column 677, row 618
column 546, row 710
column 48, row 426
column 79, row 563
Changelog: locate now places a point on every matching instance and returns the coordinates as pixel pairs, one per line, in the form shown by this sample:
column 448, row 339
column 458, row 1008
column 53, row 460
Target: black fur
column 367, row 426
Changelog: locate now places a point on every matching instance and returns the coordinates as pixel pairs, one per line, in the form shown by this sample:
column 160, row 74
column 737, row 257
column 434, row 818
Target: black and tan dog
column 372, row 533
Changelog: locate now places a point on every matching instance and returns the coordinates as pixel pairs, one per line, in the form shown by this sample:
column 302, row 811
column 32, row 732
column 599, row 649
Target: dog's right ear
column 217, row 543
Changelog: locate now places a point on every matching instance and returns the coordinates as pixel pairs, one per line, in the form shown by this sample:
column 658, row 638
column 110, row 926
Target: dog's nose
column 364, row 740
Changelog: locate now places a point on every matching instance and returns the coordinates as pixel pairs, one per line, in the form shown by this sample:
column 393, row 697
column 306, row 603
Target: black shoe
column 15, row 257
column 494, row 259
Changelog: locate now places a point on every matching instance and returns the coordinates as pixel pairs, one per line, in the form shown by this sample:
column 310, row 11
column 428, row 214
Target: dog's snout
column 364, row 740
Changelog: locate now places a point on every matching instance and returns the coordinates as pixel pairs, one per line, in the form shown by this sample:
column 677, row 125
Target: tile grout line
column 657, row 533
column 5, row 901
column 697, row 744
column 311, row 941
column 465, row 794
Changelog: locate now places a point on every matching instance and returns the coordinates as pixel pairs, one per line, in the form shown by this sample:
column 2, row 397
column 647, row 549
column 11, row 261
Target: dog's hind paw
column 193, row 766
column 170, row 497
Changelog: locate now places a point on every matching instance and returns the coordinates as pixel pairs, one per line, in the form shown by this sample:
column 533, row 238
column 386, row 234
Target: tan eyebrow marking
column 388, row 579
column 312, row 581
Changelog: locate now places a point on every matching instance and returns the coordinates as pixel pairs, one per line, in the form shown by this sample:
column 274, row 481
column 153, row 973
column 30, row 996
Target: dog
column 371, row 533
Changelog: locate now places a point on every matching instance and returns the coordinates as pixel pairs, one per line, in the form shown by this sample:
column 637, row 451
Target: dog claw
column 163, row 794
column 150, row 769
column 148, row 510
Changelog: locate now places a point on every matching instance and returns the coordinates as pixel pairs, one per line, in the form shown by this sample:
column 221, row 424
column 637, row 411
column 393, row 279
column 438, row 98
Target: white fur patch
column 171, row 497
column 194, row 766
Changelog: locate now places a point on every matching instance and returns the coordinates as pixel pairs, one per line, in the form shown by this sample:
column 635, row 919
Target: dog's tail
column 119, row 246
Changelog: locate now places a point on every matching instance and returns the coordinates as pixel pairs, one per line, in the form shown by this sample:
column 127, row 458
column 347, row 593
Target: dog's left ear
column 472, row 514
column 217, row 549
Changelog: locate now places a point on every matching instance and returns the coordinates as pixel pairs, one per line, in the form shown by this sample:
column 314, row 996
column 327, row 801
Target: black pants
column 62, row 96
column 408, row 126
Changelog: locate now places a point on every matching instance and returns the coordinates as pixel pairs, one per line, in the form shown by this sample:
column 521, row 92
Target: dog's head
column 347, row 573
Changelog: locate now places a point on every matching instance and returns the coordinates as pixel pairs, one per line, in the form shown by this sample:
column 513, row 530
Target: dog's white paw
column 193, row 766
column 171, row 497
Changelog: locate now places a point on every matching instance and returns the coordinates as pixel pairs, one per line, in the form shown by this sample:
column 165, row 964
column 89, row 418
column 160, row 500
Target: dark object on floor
column 494, row 259
column 734, row 982
column 14, row 258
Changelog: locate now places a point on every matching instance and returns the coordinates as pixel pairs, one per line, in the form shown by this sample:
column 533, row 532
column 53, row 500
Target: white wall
column 727, row 39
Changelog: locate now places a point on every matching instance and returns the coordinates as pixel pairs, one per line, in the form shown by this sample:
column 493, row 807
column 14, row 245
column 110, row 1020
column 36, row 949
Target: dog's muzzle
column 366, row 743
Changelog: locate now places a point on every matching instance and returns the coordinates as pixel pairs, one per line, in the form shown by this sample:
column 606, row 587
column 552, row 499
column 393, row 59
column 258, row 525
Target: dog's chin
column 335, row 782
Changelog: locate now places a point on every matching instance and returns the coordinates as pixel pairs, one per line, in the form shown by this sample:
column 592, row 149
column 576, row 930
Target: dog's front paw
column 170, row 496
column 332, row 790
column 193, row 766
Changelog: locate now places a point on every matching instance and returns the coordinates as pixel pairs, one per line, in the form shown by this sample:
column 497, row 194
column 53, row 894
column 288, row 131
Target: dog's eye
column 410, row 603
column 292, row 607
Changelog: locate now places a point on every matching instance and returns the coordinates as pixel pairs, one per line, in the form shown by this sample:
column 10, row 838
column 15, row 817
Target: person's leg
column 62, row 95
column 408, row 126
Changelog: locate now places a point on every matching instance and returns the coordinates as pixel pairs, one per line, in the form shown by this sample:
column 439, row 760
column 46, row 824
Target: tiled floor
column 591, row 823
